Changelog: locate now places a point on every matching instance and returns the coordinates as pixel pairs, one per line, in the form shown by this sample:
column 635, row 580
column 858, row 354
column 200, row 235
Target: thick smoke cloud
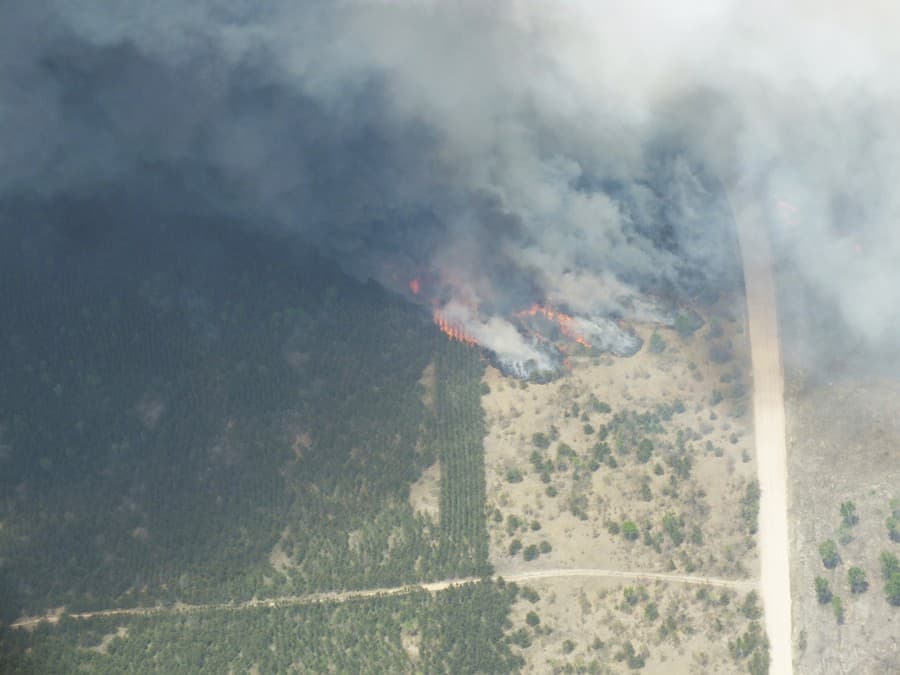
column 503, row 153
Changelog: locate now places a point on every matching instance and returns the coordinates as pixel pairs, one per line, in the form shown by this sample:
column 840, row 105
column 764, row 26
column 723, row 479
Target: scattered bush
column 823, row 590
column 599, row 406
column 750, row 607
column 892, row 589
column 893, row 528
column 848, row 514
column 829, row 554
column 629, row 530
column 645, row 450
column 889, row 564
column 687, row 324
column 674, row 527
column 857, row 578
column 530, row 594
column 837, row 605
column 513, row 475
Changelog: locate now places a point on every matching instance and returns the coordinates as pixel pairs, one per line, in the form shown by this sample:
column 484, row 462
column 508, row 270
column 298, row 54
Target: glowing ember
column 454, row 331
column 564, row 321
column 415, row 286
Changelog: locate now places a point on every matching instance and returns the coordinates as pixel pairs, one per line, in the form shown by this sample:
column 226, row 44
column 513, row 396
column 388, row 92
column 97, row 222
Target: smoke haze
column 501, row 153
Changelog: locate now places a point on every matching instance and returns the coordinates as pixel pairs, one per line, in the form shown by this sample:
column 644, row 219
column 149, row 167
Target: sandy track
column 432, row 587
column 736, row 584
column 769, row 429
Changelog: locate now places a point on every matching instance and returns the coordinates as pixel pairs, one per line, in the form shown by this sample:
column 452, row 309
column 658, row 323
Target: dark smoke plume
column 501, row 154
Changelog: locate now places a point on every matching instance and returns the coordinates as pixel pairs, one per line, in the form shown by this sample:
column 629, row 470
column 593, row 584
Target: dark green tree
column 823, row 591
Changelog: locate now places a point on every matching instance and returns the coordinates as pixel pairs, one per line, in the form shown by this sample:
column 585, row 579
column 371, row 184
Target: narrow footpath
column 346, row 596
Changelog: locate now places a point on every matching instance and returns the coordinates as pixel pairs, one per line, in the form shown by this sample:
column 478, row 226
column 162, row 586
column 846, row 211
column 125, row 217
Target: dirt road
column 768, row 419
column 344, row 596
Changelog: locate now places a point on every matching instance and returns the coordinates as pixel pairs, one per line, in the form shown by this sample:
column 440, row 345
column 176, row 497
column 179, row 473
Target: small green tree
column 645, row 450
column 657, row 344
column 848, row 514
column 892, row 589
column 629, row 530
column 545, row 547
column 750, row 607
column 837, row 605
column 673, row 526
column 889, row 564
column 829, row 553
column 893, row 528
column 532, row 619
column 823, row 591
column 857, row 578
column 531, row 552
column 514, row 547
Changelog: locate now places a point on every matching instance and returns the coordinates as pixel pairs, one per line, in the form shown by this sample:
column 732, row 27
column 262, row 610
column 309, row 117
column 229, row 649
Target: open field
column 842, row 441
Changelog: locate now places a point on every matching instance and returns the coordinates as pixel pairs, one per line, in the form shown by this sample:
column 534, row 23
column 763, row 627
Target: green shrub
column 629, row 530
column 848, row 514
column 889, row 564
column 514, row 475
column 837, row 605
column 893, row 528
column 823, row 591
column 829, row 554
column 857, row 578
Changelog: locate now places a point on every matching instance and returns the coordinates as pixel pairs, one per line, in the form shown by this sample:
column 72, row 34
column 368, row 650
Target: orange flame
column 415, row 286
column 454, row 331
column 563, row 320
